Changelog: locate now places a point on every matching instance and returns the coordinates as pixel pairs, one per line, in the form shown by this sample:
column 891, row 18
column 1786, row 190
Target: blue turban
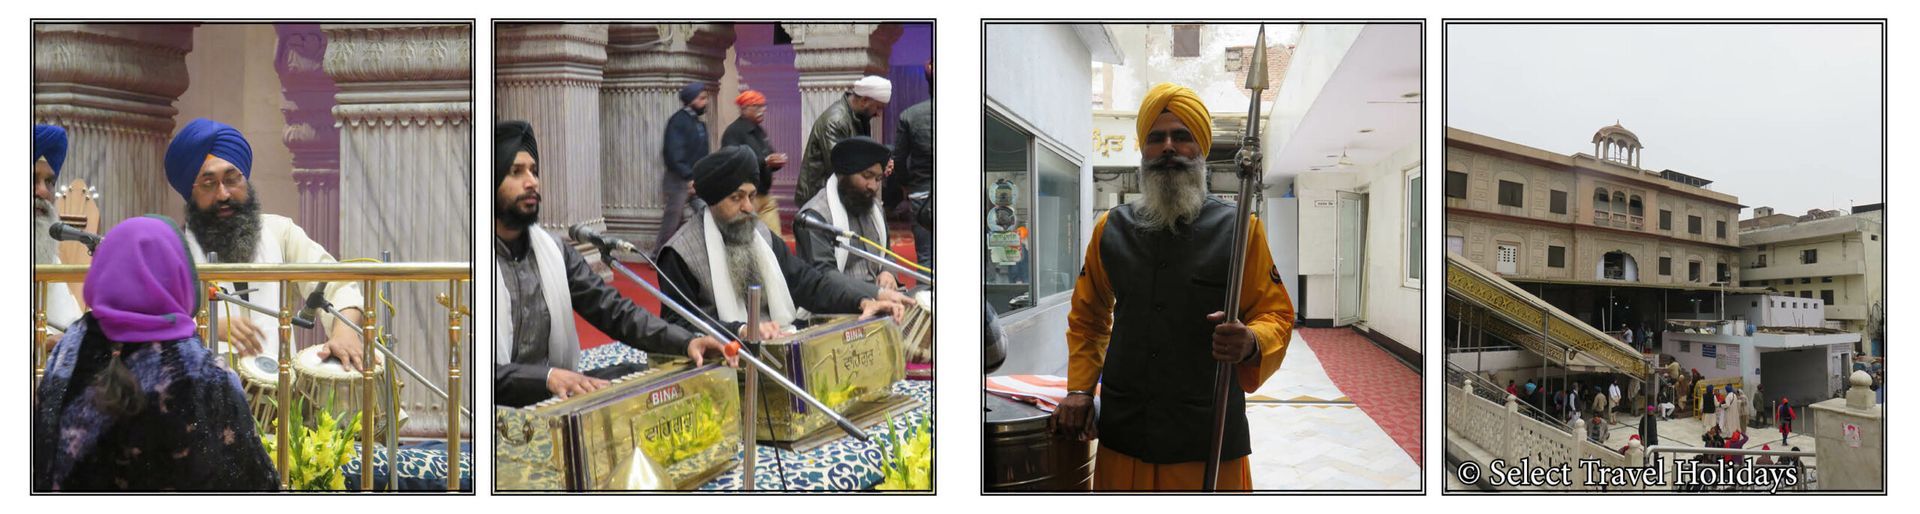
column 50, row 143
column 201, row 138
column 691, row 91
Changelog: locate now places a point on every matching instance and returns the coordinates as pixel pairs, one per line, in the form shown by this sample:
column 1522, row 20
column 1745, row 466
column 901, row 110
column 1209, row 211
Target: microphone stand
column 1248, row 159
column 606, row 255
column 882, row 261
column 395, row 359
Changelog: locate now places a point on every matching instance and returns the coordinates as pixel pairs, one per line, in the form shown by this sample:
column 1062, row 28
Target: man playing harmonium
column 713, row 257
column 541, row 281
column 209, row 164
column 851, row 202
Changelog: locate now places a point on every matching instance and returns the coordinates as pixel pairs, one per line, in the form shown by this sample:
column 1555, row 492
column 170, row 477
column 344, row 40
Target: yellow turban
column 1184, row 104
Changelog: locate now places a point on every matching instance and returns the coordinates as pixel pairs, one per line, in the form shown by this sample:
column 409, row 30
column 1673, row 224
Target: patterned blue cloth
column 842, row 465
column 423, row 467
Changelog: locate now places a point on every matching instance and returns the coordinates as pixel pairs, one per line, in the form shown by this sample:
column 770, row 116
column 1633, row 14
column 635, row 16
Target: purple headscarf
column 141, row 284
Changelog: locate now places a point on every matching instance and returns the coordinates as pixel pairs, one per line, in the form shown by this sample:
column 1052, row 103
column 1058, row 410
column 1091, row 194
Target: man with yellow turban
column 1145, row 325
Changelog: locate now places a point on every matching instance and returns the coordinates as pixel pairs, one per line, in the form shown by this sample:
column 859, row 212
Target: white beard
column 1170, row 196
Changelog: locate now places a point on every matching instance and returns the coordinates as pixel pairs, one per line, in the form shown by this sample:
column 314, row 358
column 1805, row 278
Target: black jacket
column 744, row 132
column 836, row 124
column 913, row 149
column 813, row 290
column 685, row 143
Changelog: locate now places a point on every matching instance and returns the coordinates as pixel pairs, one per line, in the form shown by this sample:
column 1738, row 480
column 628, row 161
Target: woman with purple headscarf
column 131, row 400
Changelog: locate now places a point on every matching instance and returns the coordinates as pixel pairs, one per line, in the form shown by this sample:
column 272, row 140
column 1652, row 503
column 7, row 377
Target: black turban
column 856, row 154
column 719, row 174
column 509, row 139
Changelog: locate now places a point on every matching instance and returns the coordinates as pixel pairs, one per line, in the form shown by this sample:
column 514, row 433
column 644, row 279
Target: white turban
column 874, row 87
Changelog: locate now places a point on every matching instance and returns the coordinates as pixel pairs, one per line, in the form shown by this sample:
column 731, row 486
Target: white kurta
column 282, row 242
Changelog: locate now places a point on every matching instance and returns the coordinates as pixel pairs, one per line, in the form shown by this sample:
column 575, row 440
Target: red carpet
column 1378, row 383
column 901, row 241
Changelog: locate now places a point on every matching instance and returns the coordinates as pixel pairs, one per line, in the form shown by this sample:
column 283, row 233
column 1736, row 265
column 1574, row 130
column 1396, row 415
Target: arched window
column 1634, row 206
column 1600, row 200
column 1619, row 202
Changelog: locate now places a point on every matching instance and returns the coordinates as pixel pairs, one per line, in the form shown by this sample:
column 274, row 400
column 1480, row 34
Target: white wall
column 1391, row 307
column 1149, row 61
column 1038, row 75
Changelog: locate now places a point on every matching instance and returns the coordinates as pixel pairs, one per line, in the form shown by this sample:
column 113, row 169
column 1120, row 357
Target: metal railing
column 1489, row 391
column 456, row 275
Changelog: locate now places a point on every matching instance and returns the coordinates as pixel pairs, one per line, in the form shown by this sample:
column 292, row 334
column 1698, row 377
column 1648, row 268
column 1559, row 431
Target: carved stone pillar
column 310, row 135
column 550, row 76
column 405, row 119
column 830, row 57
column 112, row 86
column 647, row 64
column 768, row 68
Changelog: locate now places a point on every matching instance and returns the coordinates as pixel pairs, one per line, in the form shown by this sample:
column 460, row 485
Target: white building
column 1778, row 342
column 1343, row 164
column 1838, row 259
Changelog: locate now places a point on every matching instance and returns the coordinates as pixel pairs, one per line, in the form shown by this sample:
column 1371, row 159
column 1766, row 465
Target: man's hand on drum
column 244, row 336
column 699, row 347
column 563, row 383
column 344, row 342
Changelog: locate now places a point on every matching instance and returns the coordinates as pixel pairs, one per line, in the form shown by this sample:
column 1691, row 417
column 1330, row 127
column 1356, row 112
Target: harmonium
column 668, row 428
column 848, row 364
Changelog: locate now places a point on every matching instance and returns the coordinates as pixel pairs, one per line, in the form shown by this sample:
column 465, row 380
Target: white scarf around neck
column 731, row 306
column 837, row 215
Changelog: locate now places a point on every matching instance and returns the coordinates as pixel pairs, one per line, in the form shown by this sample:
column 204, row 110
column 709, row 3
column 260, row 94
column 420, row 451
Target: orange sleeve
column 1265, row 308
column 1090, row 318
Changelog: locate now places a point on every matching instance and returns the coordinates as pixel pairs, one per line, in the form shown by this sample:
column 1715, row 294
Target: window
column 1556, row 256
column 1186, row 40
column 1666, row 220
column 1415, row 214
column 1510, row 193
column 1720, row 270
column 1693, row 225
column 1826, row 296
column 1033, row 235
column 1693, row 271
column 1760, row 261
column 1666, row 266
column 1456, row 184
column 1558, row 203
column 1720, row 229
column 1806, row 280
column 1602, row 202
column 1634, row 207
column 1807, row 294
column 1810, row 256
column 1826, row 280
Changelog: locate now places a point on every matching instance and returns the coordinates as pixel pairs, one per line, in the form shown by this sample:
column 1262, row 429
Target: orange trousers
column 1115, row 471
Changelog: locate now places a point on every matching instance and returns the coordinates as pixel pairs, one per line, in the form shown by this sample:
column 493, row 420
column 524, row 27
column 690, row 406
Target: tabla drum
column 916, row 336
column 1023, row 456
column 260, row 377
column 328, row 384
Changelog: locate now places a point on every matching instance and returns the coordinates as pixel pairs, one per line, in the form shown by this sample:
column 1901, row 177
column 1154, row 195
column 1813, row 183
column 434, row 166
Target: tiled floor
column 1308, row 434
column 1381, row 385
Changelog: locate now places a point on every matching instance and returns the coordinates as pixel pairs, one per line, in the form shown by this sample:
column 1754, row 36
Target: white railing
column 1506, row 433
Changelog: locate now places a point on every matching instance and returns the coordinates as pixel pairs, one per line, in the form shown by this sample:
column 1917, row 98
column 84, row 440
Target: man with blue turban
column 686, row 142
column 49, row 154
column 209, row 164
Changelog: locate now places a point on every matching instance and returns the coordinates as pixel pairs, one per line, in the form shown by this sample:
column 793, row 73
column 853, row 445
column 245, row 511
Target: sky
column 1785, row 116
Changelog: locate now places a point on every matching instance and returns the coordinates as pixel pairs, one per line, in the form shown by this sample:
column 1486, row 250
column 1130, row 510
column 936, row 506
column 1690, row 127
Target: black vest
column 1157, row 385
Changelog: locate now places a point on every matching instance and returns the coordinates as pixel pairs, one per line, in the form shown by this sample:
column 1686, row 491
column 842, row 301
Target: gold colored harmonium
column 671, row 427
column 272, row 384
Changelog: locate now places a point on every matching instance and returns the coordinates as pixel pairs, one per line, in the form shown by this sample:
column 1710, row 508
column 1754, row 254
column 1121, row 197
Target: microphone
column 813, row 220
column 65, row 232
column 581, row 232
column 315, row 301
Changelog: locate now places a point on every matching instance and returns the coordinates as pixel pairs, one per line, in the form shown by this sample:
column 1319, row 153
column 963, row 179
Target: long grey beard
column 45, row 249
column 737, row 235
column 235, row 238
column 1173, row 189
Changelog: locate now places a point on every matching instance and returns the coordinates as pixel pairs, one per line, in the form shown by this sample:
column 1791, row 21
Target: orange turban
column 1184, row 104
column 750, row 97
